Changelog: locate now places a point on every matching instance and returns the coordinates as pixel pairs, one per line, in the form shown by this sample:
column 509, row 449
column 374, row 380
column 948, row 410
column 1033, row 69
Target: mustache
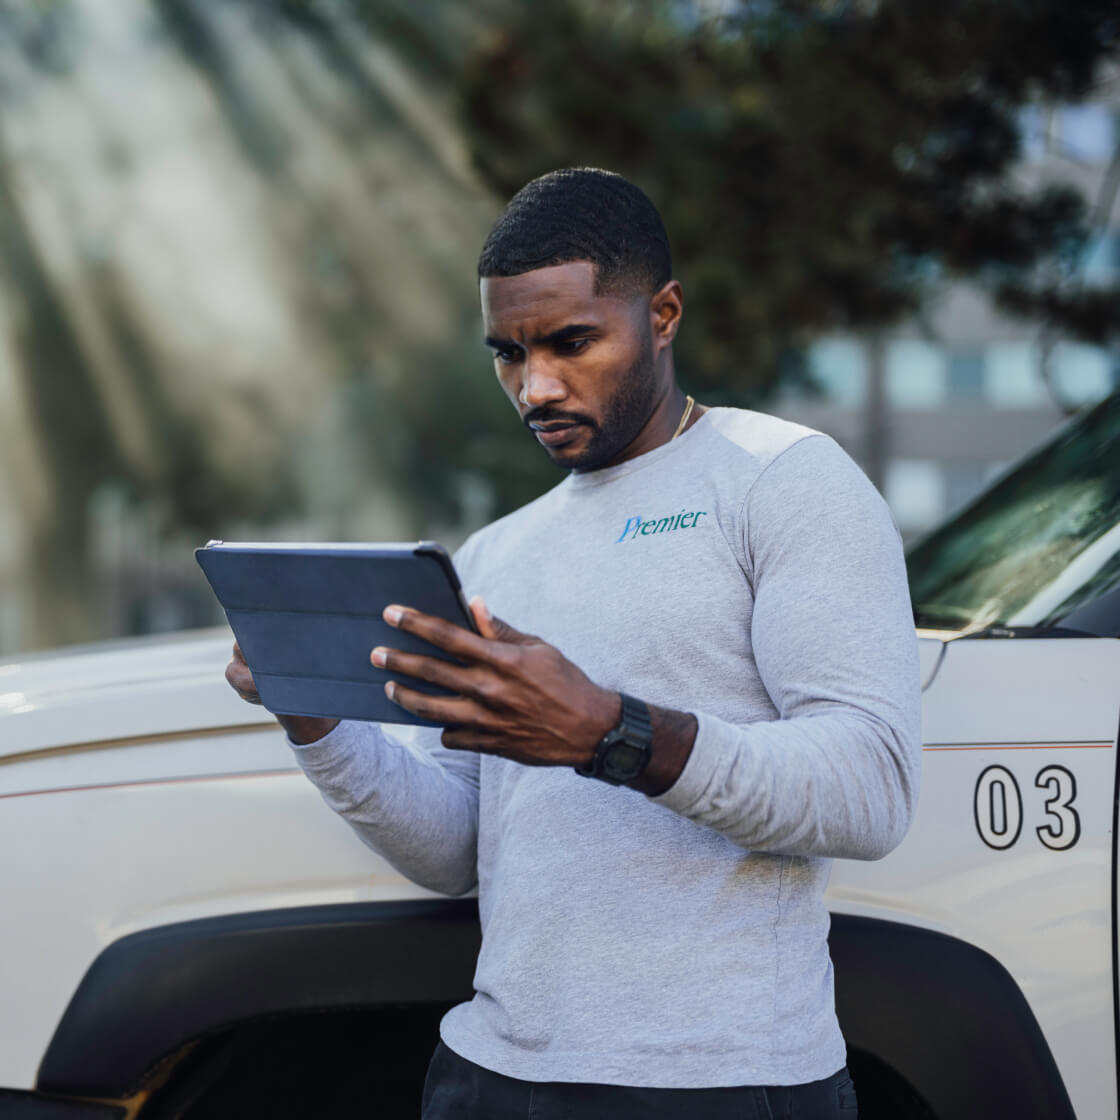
column 554, row 416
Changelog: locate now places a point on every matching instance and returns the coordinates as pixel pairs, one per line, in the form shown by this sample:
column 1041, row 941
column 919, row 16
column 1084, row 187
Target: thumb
column 491, row 627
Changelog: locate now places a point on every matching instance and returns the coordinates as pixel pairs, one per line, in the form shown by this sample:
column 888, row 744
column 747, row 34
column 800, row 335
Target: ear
column 666, row 306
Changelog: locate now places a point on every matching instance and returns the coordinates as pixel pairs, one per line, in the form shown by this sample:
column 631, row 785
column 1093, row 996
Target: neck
column 678, row 410
column 663, row 422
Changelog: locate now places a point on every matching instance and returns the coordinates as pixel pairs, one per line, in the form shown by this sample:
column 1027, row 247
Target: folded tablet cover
column 306, row 618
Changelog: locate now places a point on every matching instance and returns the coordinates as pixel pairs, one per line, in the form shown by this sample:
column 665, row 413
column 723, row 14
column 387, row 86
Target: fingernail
column 392, row 615
column 390, row 689
column 379, row 655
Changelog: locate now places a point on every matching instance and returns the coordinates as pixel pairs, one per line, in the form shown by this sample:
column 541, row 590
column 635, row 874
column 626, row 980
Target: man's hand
column 300, row 729
column 240, row 677
column 516, row 695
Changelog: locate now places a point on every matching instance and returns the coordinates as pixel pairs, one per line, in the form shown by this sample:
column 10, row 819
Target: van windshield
column 1044, row 540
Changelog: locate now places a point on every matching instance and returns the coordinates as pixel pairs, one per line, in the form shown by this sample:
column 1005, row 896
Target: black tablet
column 307, row 615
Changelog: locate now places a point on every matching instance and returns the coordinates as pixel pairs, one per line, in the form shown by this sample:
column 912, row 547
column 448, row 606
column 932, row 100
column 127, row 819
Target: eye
column 572, row 345
column 507, row 355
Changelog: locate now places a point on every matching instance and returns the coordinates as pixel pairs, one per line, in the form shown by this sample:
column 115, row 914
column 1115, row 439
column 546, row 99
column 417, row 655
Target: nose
column 539, row 383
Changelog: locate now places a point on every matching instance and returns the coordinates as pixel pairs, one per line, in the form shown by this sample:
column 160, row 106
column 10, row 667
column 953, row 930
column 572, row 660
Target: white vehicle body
column 168, row 873
column 1010, row 724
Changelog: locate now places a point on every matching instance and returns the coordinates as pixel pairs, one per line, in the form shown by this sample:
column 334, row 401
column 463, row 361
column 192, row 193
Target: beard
column 625, row 414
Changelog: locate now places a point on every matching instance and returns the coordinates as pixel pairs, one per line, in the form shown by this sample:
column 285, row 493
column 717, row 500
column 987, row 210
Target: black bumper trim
column 16, row 1105
column 148, row 993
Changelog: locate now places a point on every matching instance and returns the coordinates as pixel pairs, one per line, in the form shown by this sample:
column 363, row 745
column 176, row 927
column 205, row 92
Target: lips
column 554, row 433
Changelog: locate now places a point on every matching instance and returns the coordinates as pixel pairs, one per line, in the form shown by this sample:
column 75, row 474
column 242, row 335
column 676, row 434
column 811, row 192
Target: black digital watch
column 624, row 752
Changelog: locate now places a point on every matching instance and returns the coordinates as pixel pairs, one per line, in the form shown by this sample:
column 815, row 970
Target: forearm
column 413, row 805
column 838, row 784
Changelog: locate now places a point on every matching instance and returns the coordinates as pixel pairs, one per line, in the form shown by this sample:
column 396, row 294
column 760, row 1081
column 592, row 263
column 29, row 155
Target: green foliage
column 819, row 165
column 446, row 427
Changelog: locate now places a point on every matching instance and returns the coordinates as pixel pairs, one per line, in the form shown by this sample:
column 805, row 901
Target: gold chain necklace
column 689, row 402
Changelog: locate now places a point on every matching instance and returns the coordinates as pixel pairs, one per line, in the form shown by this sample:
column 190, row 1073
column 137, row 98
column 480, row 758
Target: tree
column 820, row 165
column 236, row 287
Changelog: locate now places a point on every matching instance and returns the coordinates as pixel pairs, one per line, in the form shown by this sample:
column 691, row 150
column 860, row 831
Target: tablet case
column 307, row 616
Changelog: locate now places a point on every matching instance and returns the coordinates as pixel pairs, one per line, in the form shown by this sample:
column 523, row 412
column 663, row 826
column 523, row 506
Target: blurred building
column 934, row 410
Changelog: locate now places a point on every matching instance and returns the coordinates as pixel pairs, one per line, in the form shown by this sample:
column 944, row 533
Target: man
column 723, row 697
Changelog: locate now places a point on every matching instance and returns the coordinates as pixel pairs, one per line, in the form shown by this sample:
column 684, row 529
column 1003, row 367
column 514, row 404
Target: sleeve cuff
column 706, row 768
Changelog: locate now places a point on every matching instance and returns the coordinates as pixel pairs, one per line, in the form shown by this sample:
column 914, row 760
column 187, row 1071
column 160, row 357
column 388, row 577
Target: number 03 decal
column 1065, row 828
column 998, row 808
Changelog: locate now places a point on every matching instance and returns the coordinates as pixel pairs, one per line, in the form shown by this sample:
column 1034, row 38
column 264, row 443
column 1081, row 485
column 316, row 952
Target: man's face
column 579, row 367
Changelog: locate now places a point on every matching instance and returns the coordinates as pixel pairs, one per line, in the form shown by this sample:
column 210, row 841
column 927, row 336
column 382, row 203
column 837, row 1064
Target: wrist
column 623, row 752
column 673, row 736
column 303, row 730
column 603, row 714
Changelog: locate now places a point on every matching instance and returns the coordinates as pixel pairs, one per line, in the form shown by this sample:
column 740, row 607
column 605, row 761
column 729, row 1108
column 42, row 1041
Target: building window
column 1012, row 378
column 1082, row 373
column 915, row 491
column 966, row 373
column 963, row 481
column 915, row 375
column 839, row 366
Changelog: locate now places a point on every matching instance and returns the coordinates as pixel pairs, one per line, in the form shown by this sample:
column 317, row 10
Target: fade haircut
column 582, row 214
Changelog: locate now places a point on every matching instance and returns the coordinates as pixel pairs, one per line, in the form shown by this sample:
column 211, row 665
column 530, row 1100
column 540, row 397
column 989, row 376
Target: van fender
column 947, row 1017
column 151, row 992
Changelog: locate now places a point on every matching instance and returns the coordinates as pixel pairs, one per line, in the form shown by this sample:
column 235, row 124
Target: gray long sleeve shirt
column 749, row 573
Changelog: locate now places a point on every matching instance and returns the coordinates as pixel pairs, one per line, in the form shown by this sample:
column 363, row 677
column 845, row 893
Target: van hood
column 120, row 690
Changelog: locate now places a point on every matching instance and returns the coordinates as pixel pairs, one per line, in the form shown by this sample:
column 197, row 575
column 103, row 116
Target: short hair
column 581, row 214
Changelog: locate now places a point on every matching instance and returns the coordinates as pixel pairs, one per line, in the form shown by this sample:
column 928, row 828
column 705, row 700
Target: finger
column 432, row 669
column 456, row 640
column 462, row 643
column 450, row 711
column 241, row 681
column 503, row 632
column 495, row 628
column 468, row 739
column 238, row 675
column 238, row 655
column 483, row 619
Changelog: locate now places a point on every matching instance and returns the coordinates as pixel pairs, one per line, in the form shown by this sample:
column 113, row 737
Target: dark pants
column 459, row 1090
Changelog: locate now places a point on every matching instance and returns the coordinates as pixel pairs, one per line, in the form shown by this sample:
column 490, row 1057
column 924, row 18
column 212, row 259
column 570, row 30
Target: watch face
column 624, row 759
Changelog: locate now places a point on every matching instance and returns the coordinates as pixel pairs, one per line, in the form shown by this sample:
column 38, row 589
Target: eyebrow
column 564, row 334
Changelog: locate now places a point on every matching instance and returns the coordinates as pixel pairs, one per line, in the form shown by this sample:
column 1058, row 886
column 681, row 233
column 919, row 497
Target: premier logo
column 636, row 527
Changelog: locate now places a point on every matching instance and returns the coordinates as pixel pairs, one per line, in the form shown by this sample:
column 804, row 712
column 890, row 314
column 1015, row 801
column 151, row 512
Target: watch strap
column 635, row 720
column 635, row 730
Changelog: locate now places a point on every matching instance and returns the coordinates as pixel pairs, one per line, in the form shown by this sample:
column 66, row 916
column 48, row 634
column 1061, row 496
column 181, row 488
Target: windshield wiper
column 1001, row 631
